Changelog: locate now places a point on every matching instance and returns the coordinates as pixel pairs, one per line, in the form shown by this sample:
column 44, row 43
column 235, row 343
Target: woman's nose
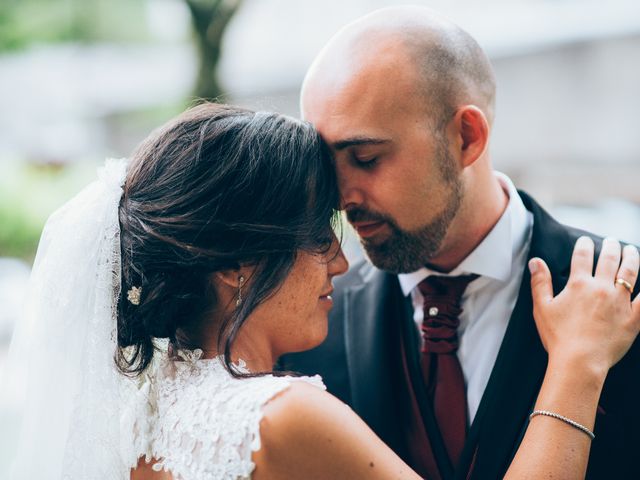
column 338, row 263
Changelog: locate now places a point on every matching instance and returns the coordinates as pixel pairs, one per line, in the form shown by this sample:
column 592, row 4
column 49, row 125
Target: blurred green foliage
column 25, row 22
column 29, row 193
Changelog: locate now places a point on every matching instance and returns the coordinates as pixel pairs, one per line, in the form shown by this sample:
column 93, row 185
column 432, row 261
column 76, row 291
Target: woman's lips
column 367, row 229
column 327, row 294
column 327, row 300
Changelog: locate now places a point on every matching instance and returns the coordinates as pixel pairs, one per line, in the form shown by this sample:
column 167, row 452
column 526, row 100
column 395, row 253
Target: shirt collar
column 493, row 257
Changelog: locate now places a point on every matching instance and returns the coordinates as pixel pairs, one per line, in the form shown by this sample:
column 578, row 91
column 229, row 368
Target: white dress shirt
column 489, row 300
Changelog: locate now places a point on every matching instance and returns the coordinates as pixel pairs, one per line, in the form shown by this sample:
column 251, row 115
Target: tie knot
column 442, row 296
column 450, row 288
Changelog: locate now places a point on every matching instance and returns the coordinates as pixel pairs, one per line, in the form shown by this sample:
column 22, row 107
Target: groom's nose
column 351, row 192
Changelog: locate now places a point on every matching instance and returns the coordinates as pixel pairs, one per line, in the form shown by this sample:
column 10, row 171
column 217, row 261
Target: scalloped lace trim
column 198, row 421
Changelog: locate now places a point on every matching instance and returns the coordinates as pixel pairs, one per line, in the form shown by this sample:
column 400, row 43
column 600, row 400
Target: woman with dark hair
column 238, row 193
column 163, row 294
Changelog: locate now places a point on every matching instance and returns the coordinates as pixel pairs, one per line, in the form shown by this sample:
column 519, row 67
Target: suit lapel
column 368, row 325
column 510, row 393
column 516, row 377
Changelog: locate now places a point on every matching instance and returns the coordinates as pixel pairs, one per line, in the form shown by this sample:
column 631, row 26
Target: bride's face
column 295, row 317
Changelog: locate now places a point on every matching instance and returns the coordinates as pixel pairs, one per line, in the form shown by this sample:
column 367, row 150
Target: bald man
column 432, row 341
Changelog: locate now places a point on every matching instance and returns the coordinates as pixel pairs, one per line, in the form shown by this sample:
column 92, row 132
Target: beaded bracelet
column 566, row 420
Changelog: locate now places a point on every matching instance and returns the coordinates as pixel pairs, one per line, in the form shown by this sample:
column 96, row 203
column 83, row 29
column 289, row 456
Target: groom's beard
column 407, row 251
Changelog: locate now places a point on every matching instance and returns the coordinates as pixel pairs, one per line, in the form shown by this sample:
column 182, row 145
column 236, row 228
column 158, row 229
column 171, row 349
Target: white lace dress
column 197, row 420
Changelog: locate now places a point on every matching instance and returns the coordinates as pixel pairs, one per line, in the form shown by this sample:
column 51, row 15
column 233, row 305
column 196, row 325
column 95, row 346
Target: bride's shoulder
column 302, row 397
column 308, row 433
column 300, row 410
column 304, row 419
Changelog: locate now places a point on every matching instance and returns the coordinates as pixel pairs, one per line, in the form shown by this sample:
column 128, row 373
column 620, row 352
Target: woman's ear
column 233, row 278
column 472, row 129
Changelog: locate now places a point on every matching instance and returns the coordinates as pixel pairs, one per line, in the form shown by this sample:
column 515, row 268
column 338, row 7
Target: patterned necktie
column 441, row 368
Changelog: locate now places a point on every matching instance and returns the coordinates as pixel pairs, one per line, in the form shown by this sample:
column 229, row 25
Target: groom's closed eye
column 365, row 162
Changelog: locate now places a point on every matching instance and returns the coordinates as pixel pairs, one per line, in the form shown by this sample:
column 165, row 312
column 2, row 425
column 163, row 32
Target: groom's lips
column 367, row 229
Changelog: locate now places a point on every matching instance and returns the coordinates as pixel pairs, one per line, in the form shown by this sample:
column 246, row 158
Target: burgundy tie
column 440, row 365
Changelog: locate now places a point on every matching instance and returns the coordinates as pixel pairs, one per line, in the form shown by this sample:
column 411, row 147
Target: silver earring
column 240, row 283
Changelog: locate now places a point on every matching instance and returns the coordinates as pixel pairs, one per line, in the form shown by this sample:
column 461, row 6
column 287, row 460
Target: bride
column 163, row 294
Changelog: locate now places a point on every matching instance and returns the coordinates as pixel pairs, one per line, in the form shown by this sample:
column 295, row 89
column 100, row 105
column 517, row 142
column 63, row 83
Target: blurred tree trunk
column 209, row 19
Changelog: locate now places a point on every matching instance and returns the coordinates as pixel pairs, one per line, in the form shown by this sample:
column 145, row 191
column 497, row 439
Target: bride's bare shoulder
column 308, row 433
column 302, row 402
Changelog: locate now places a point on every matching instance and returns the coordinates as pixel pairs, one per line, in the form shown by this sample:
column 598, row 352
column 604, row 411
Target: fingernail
column 583, row 241
column 534, row 266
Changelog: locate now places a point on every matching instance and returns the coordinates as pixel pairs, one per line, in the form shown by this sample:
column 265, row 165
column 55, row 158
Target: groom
column 405, row 99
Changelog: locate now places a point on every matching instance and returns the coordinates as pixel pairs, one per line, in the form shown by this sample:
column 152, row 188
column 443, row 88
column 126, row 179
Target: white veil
column 62, row 352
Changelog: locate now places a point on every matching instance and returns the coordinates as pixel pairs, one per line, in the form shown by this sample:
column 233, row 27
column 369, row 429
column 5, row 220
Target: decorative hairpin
column 133, row 295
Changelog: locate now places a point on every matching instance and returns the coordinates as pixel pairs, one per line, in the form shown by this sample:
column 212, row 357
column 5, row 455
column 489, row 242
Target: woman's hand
column 593, row 320
column 586, row 329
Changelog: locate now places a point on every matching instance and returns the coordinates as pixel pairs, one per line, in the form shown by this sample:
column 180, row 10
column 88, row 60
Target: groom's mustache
column 355, row 215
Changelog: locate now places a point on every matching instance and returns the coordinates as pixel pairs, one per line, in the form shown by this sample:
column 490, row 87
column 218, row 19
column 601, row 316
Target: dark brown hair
column 216, row 188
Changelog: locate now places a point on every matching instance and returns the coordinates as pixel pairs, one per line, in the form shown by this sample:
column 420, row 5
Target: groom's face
column 398, row 176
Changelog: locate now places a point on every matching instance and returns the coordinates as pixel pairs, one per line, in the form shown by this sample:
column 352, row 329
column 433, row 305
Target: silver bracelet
column 547, row 413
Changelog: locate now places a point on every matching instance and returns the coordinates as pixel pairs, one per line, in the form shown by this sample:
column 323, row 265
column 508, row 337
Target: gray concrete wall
column 566, row 123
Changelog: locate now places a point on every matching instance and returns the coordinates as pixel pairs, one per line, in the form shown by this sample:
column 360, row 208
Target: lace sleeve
column 137, row 419
column 207, row 424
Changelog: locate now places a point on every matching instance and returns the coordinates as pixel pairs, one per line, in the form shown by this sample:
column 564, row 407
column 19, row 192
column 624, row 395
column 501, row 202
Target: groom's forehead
column 374, row 88
column 367, row 112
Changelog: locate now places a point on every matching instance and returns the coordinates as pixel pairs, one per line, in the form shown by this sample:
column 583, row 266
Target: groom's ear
column 471, row 130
